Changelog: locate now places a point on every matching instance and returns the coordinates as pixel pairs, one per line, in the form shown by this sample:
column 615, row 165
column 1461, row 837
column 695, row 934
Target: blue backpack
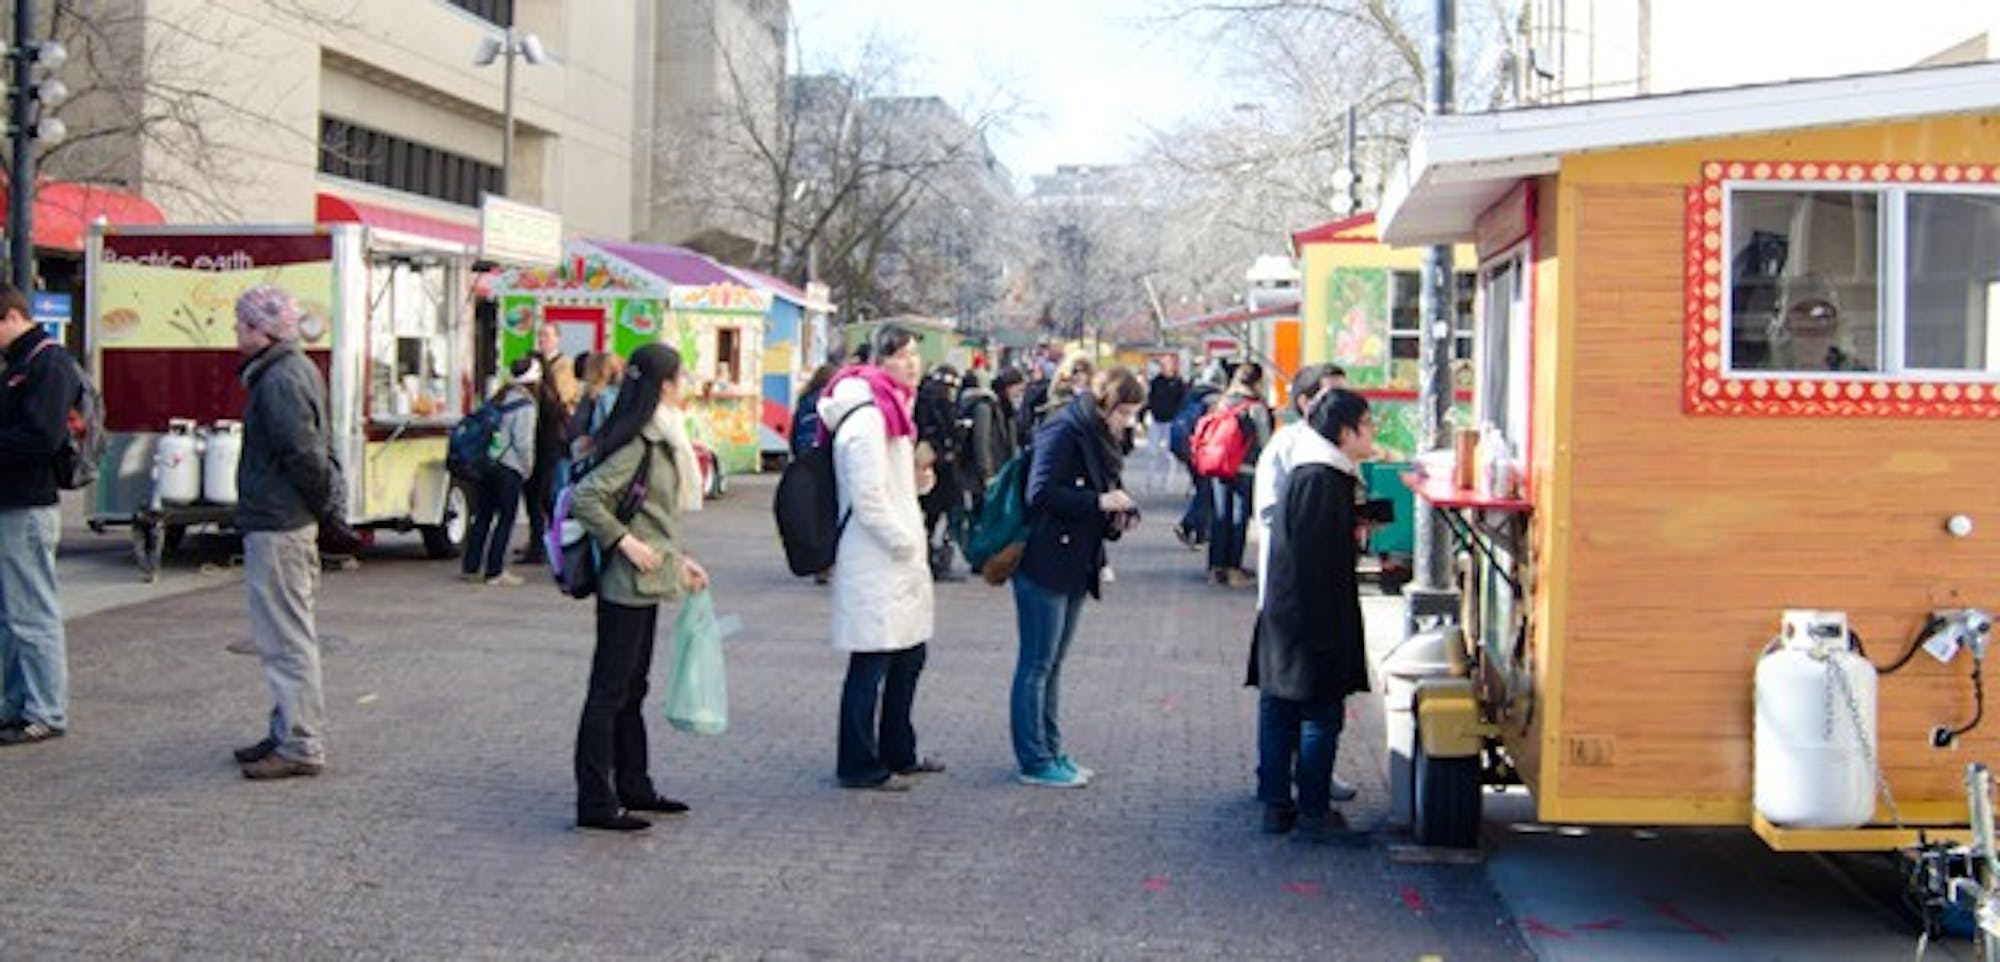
column 1180, row 435
column 469, row 454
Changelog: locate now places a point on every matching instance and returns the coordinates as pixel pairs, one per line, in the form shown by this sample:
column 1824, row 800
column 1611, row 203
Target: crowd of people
column 913, row 456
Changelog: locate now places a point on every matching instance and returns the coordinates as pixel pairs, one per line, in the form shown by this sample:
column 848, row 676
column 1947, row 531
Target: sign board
column 511, row 232
column 52, row 311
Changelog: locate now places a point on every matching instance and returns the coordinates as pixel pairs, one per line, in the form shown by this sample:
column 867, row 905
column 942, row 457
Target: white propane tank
column 177, row 463
column 218, row 463
column 1815, row 726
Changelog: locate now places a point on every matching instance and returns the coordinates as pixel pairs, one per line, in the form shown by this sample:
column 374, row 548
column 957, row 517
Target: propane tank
column 1815, row 726
column 218, row 462
column 177, row 463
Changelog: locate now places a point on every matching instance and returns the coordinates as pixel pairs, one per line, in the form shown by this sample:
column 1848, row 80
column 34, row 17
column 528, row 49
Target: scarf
column 669, row 421
column 1093, row 429
column 891, row 398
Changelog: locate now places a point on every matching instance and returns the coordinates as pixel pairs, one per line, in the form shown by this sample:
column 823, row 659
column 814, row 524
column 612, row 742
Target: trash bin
column 1425, row 654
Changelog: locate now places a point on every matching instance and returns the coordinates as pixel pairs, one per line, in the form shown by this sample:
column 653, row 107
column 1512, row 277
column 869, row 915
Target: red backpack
column 1221, row 441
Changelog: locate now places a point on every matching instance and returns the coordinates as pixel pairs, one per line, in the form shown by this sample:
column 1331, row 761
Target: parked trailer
column 385, row 318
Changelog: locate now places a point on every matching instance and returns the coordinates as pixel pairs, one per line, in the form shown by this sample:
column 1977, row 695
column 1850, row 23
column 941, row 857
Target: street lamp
column 30, row 120
column 509, row 45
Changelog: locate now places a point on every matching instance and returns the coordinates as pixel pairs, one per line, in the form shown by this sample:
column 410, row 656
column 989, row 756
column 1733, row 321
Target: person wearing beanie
column 288, row 483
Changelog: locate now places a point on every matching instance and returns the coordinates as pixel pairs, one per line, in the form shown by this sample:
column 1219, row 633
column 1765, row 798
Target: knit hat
column 270, row 309
column 525, row 372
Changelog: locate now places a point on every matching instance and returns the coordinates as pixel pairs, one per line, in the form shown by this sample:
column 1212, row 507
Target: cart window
column 1405, row 333
column 1503, row 381
column 1952, row 274
column 409, row 353
column 1804, row 280
column 1844, row 289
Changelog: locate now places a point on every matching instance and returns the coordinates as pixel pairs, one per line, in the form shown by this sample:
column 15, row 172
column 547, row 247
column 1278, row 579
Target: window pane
column 1804, row 279
column 1952, row 262
column 1403, row 301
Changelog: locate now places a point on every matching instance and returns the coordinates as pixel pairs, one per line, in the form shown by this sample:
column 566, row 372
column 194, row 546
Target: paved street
column 443, row 825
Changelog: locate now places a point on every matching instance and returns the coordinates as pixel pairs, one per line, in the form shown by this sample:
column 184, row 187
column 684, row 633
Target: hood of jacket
column 254, row 366
column 842, row 399
column 1311, row 447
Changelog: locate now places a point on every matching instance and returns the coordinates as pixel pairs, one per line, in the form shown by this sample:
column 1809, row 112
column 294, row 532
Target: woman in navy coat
column 1075, row 504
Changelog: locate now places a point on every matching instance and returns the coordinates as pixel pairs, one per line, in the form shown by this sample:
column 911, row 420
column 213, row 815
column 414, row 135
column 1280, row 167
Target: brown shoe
column 275, row 765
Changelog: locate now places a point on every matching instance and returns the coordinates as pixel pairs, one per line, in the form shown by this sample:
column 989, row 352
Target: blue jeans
column 875, row 743
column 34, row 668
column 1047, row 622
column 1231, row 526
column 1201, row 504
column 1296, row 742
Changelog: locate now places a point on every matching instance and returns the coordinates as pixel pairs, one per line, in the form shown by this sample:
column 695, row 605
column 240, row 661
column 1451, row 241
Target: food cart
column 1360, row 312
column 1745, row 346
column 610, row 296
column 385, row 318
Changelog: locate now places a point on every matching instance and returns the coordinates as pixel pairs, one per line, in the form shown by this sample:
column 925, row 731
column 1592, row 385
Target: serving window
column 1844, row 289
column 409, row 343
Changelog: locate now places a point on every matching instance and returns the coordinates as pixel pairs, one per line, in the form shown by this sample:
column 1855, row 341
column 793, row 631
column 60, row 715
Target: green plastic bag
column 698, row 699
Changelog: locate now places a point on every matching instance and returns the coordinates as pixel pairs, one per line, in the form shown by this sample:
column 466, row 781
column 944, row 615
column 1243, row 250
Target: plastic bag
column 698, row 698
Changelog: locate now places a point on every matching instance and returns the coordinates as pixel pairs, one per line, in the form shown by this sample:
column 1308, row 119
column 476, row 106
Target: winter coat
column 517, row 437
column 1308, row 644
column 1165, row 396
column 1274, row 465
column 285, row 475
column 881, row 580
column 992, row 436
column 656, row 523
column 1066, row 527
column 34, row 417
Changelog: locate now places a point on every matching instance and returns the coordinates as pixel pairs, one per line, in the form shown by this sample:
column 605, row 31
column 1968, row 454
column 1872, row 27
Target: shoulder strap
column 834, row 431
column 636, row 489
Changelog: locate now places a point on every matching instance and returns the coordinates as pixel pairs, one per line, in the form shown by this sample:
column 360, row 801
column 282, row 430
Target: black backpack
column 806, row 505
column 469, row 454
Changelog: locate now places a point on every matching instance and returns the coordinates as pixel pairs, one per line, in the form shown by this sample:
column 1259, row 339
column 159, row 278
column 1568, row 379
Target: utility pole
column 1437, row 307
column 21, row 181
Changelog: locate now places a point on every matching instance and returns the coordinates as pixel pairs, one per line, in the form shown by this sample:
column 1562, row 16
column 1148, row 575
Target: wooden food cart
column 1745, row 344
column 385, row 316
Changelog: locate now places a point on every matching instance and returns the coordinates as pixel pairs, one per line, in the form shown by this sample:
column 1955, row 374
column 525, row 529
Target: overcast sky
column 1092, row 73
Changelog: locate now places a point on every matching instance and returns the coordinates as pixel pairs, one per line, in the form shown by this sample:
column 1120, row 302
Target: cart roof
column 1461, row 164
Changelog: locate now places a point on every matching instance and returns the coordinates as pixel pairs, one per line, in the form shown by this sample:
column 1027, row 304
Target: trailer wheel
column 446, row 539
column 1447, row 799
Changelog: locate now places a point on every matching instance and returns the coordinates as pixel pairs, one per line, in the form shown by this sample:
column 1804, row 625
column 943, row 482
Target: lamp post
column 29, row 123
column 507, row 46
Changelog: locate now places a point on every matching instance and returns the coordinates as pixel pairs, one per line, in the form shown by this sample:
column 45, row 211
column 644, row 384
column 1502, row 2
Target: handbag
column 574, row 557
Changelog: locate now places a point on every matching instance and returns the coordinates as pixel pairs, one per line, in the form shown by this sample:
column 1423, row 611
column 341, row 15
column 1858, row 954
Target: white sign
column 511, row 232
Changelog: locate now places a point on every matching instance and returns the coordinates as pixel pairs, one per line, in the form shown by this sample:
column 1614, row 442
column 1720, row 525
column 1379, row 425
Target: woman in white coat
column 882, row 610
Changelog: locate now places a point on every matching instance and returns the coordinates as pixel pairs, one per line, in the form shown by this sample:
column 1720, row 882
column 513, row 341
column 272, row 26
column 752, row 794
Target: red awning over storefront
column 334, row 209
column 64, row 211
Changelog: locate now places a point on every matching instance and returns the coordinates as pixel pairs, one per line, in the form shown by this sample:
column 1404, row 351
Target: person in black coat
column 1307, row 653
column 1075, row 504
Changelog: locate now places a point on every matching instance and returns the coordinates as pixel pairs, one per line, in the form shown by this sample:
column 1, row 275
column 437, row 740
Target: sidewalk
column 442, row 828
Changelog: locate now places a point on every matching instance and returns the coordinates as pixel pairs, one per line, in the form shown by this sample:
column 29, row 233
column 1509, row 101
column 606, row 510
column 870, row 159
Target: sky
column 1091, row 74
column 1094, row 74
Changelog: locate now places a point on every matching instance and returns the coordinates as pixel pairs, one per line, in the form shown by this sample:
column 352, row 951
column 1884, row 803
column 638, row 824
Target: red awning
column 334, row 209
column 64, row 211
column 1234, row 315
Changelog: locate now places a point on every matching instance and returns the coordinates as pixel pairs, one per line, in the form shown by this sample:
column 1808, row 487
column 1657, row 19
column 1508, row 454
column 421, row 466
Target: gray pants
column 281, row 573
column 34, row 668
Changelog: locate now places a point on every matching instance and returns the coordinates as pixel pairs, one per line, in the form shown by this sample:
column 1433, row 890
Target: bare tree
column 148, row 86
column 880, row 195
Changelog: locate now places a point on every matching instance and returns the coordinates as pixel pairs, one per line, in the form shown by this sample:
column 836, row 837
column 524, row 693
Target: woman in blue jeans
column 1075, row 504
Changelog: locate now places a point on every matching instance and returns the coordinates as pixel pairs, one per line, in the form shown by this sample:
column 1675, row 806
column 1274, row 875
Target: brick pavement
column 442, row 827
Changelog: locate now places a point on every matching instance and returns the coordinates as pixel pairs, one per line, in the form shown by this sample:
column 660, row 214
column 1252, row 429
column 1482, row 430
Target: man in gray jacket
column 286, row 483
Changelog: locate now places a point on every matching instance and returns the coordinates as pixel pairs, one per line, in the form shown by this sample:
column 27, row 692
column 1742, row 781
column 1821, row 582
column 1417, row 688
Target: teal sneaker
column 1055, row 775
column 1063, row 761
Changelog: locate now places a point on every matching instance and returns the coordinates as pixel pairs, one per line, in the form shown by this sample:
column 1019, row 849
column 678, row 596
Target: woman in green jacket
column 644, row 564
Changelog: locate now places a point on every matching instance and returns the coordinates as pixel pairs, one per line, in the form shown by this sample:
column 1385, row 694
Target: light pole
column 509, row 45
column 29, row 121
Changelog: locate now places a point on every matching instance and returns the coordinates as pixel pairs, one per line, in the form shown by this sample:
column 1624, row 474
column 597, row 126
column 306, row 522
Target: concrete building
column 270, row 110
column 712, row 82
column 1579, row 50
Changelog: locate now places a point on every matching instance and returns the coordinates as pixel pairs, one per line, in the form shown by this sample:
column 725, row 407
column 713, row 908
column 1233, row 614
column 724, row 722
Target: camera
column 1376, row 510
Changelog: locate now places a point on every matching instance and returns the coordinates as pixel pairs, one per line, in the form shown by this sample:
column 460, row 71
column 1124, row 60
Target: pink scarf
column 891, row 398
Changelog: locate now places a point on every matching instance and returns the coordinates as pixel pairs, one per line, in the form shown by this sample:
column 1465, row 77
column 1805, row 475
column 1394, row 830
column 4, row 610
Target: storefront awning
column 64, row 211
column 1237, row 315
column 335, row 209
